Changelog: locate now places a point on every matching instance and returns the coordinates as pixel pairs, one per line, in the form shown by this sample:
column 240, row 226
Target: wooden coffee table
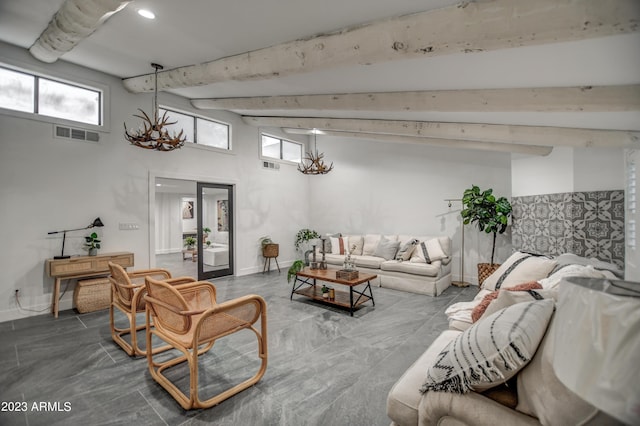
column 305, row 285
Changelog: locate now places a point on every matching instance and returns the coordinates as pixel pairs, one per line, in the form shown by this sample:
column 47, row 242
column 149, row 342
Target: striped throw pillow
column 492, row 350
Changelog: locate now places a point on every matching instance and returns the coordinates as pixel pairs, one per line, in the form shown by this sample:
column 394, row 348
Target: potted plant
column 190, row 243
column 305, row 235
column 205, row 234
column 269, row 248
column 295, row 267
column 92, row 242
column 325, row 291
column 491, row 214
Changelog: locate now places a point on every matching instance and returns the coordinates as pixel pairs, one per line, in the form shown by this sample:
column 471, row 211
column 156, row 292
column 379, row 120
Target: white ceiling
column 189, row 32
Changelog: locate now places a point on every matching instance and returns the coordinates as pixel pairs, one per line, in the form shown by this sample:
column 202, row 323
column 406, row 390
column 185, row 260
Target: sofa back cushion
column 542, row 395
column 356, row 243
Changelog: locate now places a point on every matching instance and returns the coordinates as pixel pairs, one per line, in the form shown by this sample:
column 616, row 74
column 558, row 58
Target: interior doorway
column 215, row 225
column 194, row 227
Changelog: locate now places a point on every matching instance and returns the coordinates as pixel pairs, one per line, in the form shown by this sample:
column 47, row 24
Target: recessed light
column 146, row 14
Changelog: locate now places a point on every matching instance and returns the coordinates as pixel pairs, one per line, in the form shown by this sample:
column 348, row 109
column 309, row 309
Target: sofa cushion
column 386, row 249
column 542, row 395
column 372, row 262
column 491, row 351
column 403, row 398
column 424, row 269
column 517, row 269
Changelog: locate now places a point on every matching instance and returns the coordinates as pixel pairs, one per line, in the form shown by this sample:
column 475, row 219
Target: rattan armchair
column 127, row 295
column 188, row 318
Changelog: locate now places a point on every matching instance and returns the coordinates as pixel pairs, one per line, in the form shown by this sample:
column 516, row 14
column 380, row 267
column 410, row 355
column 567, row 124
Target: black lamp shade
column 97, row 223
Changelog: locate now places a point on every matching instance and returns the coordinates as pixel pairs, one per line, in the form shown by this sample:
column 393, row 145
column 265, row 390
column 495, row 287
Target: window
column 281, row 149
column 198, row 130
column 21, row 91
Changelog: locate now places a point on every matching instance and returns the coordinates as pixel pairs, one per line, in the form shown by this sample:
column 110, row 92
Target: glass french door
column 215, row 230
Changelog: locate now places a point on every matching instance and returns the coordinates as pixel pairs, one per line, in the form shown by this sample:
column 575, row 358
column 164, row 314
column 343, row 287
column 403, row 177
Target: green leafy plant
column 490, row 213
column 206, row 230
column 190, row 242
column 305, row 235
column 92, row 241
column 295, row 267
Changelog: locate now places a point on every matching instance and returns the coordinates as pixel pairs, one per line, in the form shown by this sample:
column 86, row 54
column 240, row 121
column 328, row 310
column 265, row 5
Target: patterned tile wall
column 589, row 224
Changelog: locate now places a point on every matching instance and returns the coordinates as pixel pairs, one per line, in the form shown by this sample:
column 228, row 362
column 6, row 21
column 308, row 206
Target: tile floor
column 325, row 367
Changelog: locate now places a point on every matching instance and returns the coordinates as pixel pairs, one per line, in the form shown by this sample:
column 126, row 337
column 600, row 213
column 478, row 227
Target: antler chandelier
column 313, row 163
column 155, row 135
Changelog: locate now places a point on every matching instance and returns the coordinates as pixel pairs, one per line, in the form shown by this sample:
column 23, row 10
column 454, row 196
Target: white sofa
column 534, row 396
column 414, row 274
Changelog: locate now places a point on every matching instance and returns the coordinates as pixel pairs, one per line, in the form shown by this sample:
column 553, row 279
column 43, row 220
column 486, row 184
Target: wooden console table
column 82, row 267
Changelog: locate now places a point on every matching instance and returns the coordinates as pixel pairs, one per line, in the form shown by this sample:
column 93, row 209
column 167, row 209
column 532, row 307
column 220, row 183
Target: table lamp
column 96, row 223
column 597, row 344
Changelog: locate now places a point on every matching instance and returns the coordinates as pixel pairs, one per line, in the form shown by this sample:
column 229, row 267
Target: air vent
column 77, row 134
column 270, row 165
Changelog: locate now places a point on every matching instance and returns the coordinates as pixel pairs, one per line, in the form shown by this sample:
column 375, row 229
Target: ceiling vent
column 64, row 132
column 270, row 165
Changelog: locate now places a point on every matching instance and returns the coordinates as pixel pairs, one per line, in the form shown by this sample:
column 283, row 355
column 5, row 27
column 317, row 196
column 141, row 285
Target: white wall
column 567, row 170
column 389, row 188
column 51, row 184
column 534, row 175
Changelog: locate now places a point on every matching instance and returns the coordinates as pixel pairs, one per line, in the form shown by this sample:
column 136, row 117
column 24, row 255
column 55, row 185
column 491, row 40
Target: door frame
column 151, row 233
column 202, row 275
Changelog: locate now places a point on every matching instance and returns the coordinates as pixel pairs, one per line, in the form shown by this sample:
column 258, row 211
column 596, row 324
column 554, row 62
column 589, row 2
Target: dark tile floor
column 325, row 367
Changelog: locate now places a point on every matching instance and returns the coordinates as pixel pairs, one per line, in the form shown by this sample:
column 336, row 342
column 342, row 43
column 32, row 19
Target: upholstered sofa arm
column 470, row 409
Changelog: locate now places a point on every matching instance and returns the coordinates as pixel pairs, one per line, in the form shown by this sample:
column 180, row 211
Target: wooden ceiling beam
column 466, row 28
column 506, row 134
column 448, row 143
column 553, row 99
column 74, row 21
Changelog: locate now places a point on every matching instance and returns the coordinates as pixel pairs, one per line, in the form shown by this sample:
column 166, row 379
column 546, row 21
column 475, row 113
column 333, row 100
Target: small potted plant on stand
column 92, row 242
column 491, row 214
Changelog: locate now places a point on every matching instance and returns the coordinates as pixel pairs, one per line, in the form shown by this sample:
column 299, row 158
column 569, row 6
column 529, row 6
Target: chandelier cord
column 156, row 111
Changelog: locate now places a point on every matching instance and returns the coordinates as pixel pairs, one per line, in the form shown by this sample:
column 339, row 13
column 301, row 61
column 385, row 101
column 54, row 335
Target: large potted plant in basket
column 491, row 214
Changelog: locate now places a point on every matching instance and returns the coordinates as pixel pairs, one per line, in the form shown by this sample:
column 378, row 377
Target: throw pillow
column 327, row 241
column 356, row 242
column 508, row 298
column 491, row 351
column 407, row 249
column 370, row 244
column 570, row 270
column 519, row 268
column 338, row 245
column 386, row 249
column 428, row 251
column 477, row 312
